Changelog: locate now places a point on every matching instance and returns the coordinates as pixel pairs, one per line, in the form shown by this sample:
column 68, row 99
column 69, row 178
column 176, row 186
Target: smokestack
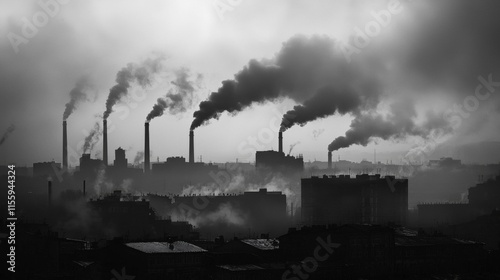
column 49, row 190
column 105, row 142
column 146, row 148
column 280, row 142
column 84, row 189
column 191, row 146
column 65, row 146
column 329, row 160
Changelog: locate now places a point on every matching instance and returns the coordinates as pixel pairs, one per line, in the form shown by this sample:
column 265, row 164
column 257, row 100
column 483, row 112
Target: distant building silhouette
column 120, row 159
column 275, row 161
column 366, row 199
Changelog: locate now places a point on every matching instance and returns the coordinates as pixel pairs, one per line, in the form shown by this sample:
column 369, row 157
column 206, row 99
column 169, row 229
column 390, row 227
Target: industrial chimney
column 329, row 159
column 191, row 146
column 146, row 148
column 49, row 191
column 280, row 142
column 84, row 189
column 65, row 146
column 105, row 142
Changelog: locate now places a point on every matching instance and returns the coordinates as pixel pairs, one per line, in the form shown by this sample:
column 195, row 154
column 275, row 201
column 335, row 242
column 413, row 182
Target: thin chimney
column 191, row 146
column 49, row 191
column 146, row 148
column 65, row 146
column 329, row 159
column 280, row 142
column 84, row 189
column 105, row 142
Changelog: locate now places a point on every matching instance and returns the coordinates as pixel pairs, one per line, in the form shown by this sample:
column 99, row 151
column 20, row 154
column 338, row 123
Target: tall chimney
column 191, row 146
column 280, row 142
column 146, row 148
column 65, row 146
column 84, row 189
column 105, row 142
column 329, row 159
column 49, row 191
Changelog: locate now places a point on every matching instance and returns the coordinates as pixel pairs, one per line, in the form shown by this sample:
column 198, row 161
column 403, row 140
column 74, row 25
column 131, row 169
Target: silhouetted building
column 162, row 260
column 89, row 167
column 436, row 214
column 485, row 197
column 120, row 159
column 367, row 199
column 132, row 217
column 446, row 162
column 227, row 214
column 46, row 169
column 278, row 162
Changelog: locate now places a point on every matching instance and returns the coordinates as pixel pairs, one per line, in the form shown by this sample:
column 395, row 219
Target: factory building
column 365, row 199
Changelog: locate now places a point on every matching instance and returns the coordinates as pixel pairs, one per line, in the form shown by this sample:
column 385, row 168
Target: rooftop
column 165, row 247
column 262, row 244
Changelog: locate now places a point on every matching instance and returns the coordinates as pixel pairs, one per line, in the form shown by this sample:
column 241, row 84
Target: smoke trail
column 6, row 134
column 399, row 123
column 293, row 146
column 326, row 102
column 92, row 138
column 180, row 98
column 138, row 157
column 77, row 94
column 302, row 67
column 141, row 73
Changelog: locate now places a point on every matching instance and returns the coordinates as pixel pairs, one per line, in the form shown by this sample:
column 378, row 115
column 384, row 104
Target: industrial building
column 365, row 199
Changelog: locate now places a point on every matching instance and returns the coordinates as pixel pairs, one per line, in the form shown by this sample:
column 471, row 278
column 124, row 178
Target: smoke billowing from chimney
column 326, row 102
column 77, row 95
column 6, row 134
column 92, row 138
column 399, row 123
column 303, row 66
column 293, row 146
column 141, row 73
column 178, row 99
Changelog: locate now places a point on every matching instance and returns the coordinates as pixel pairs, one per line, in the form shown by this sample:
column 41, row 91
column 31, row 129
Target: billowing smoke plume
column 305, row 66
column 142, row 74
column 6, row 134
column 139, row 157
column 178, row 99
column 92, row 138
column 399, row 123
column 428, row 58
column 77, row 95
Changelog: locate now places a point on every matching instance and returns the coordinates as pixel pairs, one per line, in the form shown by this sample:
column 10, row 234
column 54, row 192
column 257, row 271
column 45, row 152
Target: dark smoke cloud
column 326, row 102
column 178, row 99
column 77, row 95
column 6, row 134
column 399, row 123
column 445, row 53
column 303, row 66
column 142, row 74
column 92, row 138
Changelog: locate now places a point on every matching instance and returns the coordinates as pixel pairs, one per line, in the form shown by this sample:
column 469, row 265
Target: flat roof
column 164, row 247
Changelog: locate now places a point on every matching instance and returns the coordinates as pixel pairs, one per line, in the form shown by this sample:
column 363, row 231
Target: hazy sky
column 425, row 58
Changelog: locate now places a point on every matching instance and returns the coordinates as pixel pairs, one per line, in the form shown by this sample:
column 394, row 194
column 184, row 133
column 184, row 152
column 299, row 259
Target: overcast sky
column 411, row 68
